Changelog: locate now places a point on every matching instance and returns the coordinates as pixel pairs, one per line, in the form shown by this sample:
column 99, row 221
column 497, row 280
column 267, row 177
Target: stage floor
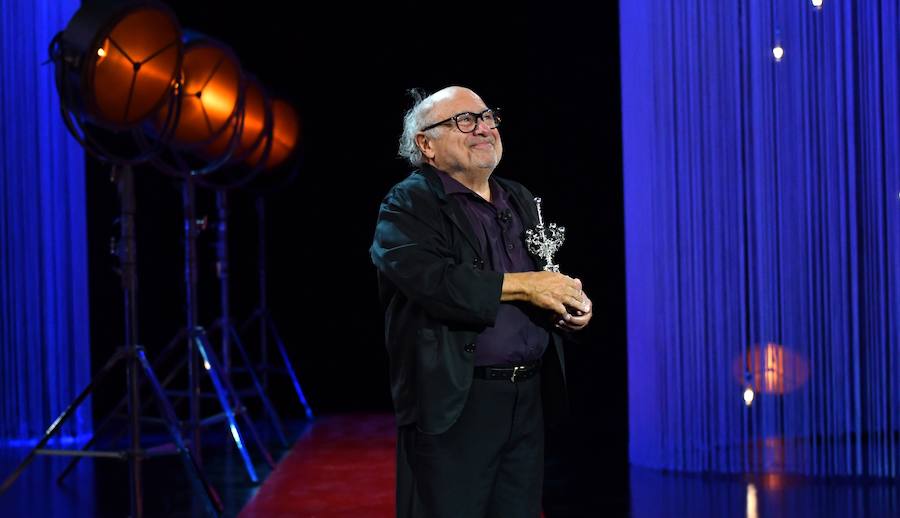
column 343, row 466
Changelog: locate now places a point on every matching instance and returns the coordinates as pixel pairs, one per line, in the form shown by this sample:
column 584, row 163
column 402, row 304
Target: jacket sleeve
column 412, row 250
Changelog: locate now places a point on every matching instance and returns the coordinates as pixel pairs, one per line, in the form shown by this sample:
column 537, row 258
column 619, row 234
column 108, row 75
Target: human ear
column 424, row 144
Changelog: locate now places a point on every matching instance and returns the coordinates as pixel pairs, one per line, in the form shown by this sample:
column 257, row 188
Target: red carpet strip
column 343, row 466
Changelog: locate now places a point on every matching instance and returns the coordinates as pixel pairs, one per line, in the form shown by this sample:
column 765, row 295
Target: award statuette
column 544, row 242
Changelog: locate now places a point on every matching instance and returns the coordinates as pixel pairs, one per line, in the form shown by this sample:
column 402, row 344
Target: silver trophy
column 544, row 242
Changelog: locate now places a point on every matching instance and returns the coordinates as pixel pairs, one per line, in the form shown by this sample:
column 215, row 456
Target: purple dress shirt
column 516, row 336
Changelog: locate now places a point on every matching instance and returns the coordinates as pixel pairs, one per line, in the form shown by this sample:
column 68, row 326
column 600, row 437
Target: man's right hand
column 547, row 290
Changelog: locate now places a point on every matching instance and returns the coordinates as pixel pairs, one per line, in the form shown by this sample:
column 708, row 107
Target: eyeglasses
column 467, row 121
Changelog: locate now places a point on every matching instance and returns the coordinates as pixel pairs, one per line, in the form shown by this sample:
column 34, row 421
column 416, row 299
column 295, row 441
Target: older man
column 471, row 327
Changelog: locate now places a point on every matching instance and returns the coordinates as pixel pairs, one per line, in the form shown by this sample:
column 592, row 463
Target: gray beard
column 488, row 164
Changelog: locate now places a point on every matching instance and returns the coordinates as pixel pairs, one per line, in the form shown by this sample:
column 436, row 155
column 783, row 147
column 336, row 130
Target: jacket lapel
column 455, row 213
column 452, row 210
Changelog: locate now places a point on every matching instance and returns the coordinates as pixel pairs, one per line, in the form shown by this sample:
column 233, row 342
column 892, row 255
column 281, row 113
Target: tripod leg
column 135, row 459
column 229, row 388
column 168, row 414
column 267, row 319
column 213, row 370
column 259, row 444
column 109, row 419
column 270, row 410
column 66, row 414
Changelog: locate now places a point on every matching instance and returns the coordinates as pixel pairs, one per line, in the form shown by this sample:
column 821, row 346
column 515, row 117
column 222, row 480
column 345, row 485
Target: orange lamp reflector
column 209, row 97
column 254, row 123
column 130, row 71
column 285, row 136
column 254, row 117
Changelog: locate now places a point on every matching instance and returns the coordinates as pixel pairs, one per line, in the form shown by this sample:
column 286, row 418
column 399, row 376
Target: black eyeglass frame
column 455, row 119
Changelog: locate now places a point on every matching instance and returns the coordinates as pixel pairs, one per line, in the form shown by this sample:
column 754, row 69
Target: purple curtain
column 44, row 334
column 763, row 235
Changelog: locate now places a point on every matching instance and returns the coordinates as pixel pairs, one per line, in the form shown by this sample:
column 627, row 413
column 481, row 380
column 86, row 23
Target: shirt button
column 510, row 246
column 469, row 348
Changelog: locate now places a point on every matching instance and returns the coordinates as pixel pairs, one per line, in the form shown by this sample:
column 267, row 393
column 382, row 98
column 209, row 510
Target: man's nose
column 481, row 127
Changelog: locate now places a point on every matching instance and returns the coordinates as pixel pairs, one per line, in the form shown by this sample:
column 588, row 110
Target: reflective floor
column 655, row 494
column 99, row 488
column 33, row 495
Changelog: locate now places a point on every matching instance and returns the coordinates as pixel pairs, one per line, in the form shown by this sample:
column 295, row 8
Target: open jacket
column 438, row 297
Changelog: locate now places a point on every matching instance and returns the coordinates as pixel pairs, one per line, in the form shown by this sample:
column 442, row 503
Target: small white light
column 236, row 435
column 817, row 4
column 778, row 52
column 752, row 502
column 206, row 365
column 748, row 396
column 101, row 52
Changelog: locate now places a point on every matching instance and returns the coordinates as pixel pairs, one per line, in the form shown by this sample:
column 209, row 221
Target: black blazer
column 438, row 297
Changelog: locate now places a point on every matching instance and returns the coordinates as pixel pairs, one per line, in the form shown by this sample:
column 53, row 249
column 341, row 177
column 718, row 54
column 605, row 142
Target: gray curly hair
column 412, row 121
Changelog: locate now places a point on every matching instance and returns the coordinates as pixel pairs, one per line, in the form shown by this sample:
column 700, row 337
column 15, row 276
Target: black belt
column 511, row 373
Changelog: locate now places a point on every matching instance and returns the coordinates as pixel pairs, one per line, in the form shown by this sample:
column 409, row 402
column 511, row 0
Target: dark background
column 554, row 70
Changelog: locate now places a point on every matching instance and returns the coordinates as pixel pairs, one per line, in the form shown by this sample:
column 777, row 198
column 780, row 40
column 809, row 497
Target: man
column 469, row 323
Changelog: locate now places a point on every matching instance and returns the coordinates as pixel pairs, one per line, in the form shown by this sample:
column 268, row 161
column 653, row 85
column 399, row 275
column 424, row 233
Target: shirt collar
column 453, row 186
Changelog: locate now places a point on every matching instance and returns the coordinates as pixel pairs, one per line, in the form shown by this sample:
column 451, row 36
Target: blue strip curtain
column 44, row 334
column 763, row 235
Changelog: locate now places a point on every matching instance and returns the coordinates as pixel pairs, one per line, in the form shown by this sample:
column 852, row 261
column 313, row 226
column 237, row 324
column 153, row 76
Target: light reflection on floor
column 35, row 493
column 99, row 488
column 657, row 494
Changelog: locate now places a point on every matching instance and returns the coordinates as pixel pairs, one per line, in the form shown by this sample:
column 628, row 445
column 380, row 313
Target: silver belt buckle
column 515, row 371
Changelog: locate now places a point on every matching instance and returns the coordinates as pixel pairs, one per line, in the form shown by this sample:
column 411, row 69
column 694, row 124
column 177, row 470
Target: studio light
column 119, row 62
column 283, row 140
column 206, row 114
column 210, row 93
column 116, row 64
column 255, row 118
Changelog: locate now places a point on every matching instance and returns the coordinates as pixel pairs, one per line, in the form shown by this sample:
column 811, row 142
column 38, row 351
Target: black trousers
column 490, row 463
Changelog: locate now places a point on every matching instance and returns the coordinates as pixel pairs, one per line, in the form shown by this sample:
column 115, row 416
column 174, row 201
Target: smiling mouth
column 483, row 145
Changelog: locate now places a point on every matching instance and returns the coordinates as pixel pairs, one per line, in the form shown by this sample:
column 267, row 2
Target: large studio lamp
column 209, row 108
column 210, row 93
column 255, row 119
column 116, row 63
column 282, row 142
column 231, row 148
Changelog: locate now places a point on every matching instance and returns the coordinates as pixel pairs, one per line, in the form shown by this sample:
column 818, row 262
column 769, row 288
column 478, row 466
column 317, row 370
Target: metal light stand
column 135, row 362
column 267, row 323
column 198, row 343
column 225, row 325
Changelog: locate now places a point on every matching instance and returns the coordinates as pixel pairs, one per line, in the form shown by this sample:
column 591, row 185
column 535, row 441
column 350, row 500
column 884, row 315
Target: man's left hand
column 578, row 320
